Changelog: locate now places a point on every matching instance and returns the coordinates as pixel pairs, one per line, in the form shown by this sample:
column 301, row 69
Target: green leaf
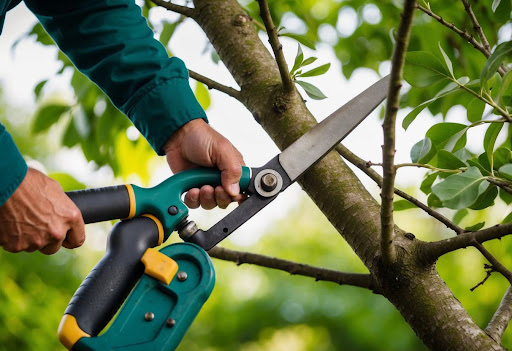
column 495, row 5
column 494, row 61
column 47, row 116
column 300, row 38
column 442, row 133
column 422, row 69
column 308, row 61
column 316, row 71
column 299, row 58
column 447, row 160
column 426, row 184
column 203, row 96
column 41, row 35
column 486, row 199
column 506, row 171
column 502, row 156
column 70, row 137
column 423, row 151
column 67, row 181
column 463, row 154
column 167, row 32
column 39, row 87
column 461, row 190
column 475, row 110
column 506, row 89
column 449, row 64
column 490, row 139
column 475, row 227
column 433, row 201
column 507, row 219
column 506, row 196
column 402, row 205
column 312, row 91
column 459, row 215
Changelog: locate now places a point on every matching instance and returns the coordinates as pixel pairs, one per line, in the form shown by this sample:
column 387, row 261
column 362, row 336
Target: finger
column 52, row 248
column 192, row 198
column 228, row 162
column 207, row 197
column 222, row 197
column 75, row 236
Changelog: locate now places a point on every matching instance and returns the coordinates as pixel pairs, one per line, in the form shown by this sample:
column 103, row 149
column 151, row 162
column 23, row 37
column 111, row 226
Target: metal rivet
column 182, row 276
column 268, row 182
column 149, row 316
column 170, row 322
column 173, row 210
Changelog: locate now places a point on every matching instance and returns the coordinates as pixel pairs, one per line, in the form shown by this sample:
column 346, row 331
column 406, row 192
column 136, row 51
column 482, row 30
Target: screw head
column 149, row 316
column 268, row 182
column 173, row 210
column 170, row 322
column 182, row 276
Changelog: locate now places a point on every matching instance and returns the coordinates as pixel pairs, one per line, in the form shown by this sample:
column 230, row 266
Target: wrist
column 175, row 139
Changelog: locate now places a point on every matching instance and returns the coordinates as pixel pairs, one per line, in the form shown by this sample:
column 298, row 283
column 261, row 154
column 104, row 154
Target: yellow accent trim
column 159, row 225
column 133, row 205
column 69, row 331
column 159, row 266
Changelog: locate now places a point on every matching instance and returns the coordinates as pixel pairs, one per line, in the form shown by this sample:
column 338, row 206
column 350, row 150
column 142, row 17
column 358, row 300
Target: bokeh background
column 251, row 308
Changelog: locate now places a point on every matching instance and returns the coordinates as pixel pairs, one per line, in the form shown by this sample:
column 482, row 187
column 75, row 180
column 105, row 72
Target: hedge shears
column 168, row 287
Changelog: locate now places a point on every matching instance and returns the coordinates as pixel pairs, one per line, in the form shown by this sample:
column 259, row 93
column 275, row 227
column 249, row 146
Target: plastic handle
column 106, row 287
column 102, row 204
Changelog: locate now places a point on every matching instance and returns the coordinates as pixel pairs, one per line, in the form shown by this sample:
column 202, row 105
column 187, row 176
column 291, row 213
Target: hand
column 40, row 216
column 197, row 144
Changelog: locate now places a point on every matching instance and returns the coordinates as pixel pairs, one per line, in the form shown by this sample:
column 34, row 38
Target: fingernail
column 234, row 189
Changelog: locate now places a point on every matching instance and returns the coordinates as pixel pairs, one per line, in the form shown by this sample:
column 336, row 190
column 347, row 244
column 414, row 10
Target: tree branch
column 211, row 84
column 497, row 266
column 362, row 165
column 501, row 318
column 506, row 186
column 185, row 11
column 434, row 250
column 276, row 46
column 341, row 278
column 476, row 26
column 388, row 150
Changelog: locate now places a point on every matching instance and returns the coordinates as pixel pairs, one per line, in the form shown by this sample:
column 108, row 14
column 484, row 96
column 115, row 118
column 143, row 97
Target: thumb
column 229, row 162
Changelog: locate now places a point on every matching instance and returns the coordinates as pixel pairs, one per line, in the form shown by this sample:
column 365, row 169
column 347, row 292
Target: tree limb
column 476, row 26
column 506, row 186
column 501, row 318
column 185, row 11
column 436, row 249
column 497, row 266
column 341, row 278
column 388, row 150
column 211, row 84
column 362, row 165
column 276, row 46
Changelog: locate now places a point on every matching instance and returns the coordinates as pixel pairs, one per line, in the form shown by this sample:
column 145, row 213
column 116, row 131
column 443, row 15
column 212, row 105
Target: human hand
column 40, row 216
column 198, row 144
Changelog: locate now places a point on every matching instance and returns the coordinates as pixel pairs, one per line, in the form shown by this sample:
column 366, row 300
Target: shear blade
column 315, row 144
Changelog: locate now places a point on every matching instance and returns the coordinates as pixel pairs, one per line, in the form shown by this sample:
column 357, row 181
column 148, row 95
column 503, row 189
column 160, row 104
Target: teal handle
column 164, row 200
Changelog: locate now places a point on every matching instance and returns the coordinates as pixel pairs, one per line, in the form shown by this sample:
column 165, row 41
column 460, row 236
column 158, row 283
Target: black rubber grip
column 106, row 287
column 102, row 204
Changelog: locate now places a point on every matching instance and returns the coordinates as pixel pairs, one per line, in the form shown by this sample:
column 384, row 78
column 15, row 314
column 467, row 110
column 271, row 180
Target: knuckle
column 75, row 215
column 56, row 235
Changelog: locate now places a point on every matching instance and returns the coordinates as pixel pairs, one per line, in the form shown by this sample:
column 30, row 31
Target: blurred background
column 65, row 127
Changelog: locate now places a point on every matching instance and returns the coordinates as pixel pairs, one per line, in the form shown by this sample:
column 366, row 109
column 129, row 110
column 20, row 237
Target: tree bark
column 414, row 288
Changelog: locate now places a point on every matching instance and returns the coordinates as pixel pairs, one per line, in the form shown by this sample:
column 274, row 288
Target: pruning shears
column 173, row 283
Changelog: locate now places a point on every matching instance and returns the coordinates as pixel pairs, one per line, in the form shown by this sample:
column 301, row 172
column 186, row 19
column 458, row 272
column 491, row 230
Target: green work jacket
column 111, row 43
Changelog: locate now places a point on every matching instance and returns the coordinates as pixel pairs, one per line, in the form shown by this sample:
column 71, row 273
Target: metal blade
column 321, row 139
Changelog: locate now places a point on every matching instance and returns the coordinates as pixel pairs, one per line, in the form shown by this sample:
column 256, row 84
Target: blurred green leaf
column 502, row 156
column 308, row 61
column 460, row 215
column 422, row 69
column 167, row 32
column 495, row 5
column 426, row 184
column 475, row 227
column 506, row 171
column 67, row 181
column 505, row 196
column 490, row 139
column 505, row 90
column 494, row 61
column 507, row 219
column 447, row 60
column 433, row 201
column 486, row 199
column 203, row 96
column 402, row 205
column 39, row 87
column 461, row 190
column 299, row 58
column 48, row 115
column 312, row 91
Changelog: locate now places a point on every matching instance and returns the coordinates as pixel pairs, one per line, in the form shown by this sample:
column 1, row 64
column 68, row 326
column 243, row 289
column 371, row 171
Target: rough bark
column 416, row 290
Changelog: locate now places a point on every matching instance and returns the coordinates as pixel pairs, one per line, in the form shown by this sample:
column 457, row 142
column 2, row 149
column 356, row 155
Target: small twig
column 506, row 186
column 276, row 46
column 211, row 84
column 185, row 11
column 418, row 165
column 362, row 165
column 434, row 250
column 341, row 278
column 501, row 318
column 388, row 149
column 497, row 266
column 476, row 26
column 489, row 269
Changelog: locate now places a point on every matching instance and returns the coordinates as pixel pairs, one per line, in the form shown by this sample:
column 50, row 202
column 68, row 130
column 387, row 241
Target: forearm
column 12, row 166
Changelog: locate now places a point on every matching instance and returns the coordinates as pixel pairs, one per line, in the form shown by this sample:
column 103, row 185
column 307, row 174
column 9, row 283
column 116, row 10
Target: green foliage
column 296, row 71
column 402, row 205
column 494, row 61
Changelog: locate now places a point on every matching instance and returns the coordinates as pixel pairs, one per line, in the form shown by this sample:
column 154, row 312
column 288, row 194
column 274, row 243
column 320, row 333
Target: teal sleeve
column 110, row 42
column 12, row 166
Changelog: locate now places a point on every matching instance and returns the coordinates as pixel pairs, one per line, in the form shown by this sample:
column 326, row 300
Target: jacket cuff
column 12, row 166
column 166, row 106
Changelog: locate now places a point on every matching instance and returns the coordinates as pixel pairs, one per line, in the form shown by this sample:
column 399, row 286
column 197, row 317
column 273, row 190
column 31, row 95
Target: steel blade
column 322, row 138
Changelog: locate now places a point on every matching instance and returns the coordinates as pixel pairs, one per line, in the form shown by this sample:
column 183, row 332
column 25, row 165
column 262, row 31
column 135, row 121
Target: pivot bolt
column 170, row 322
column 173, row 210
column 268, row 182
column 149, row 316
column 182, row 276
